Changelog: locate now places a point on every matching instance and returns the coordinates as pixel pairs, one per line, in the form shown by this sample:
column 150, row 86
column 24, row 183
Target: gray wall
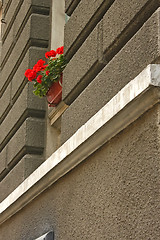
column 108, row 44
column 25, row 39
column 114, row 194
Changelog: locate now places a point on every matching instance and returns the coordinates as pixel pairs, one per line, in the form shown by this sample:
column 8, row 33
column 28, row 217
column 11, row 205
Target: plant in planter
column 47, row 78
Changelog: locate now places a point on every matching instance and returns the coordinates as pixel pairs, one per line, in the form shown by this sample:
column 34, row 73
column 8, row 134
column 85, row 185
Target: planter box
column 54, row 94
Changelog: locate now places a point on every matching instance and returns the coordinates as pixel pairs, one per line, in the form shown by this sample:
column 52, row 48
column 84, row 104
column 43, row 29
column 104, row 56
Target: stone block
column 32, row 56
column 16, row 8
column 9, row 16
column 25, row 106
column 82, row 22
column 5, row 3
column 41, row 3
column 40, row 27
column 36, row 28
column 107, row 43
column 5, row 99
column 19, row 173
column 119, row 17
column 7, row 44
column 3, row 160
column 140, row 51
column 80, row 64
column 29, row 138
column 70, row 5
column 17, row 111
column 20, row 20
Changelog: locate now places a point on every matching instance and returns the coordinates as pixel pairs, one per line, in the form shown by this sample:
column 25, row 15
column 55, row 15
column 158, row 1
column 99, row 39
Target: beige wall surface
column 114, row 194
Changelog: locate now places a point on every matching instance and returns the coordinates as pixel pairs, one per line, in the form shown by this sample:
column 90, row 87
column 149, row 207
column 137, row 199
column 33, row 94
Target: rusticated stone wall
column 25, row 39
column 108, row 43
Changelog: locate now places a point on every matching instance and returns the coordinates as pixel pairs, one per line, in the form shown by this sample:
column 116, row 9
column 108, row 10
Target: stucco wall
column 114, row 194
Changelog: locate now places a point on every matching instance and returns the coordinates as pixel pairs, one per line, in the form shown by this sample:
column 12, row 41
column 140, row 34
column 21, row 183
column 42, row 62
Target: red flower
column 47, row 55
column 32, row 75
column 47, row 72
column 39, row 79
column 43, row 67
column 37, row 68
column 40, row 63
column 51, row 53
column 59, row 50
column 27, row 72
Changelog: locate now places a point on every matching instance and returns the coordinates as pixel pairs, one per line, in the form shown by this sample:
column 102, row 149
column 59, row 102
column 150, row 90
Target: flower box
column 54, row 94
column 43, row 75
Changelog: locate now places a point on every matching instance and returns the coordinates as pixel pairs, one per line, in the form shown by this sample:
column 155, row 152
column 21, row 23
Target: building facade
column 88, row 168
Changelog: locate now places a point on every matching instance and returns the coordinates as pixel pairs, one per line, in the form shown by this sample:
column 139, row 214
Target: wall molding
column 138, row 96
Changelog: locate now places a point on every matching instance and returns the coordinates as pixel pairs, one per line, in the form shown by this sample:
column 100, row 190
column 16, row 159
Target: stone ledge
column 57, row 112
column 126, row 106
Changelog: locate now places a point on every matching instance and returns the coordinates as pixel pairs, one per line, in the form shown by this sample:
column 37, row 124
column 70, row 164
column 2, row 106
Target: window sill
column 57, row 112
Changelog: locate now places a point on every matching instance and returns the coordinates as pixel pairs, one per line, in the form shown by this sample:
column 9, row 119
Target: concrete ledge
column 126, row 106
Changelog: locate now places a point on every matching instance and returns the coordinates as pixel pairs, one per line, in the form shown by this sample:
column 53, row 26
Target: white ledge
column 126, row 106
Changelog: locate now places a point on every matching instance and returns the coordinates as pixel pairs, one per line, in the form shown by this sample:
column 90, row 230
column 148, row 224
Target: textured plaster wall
column 113, row 195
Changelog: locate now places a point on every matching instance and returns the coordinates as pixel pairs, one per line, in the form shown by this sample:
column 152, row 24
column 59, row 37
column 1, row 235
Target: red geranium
column 51, row 53
column 40, row 63
column 37, row 68
column 27, row 72
column 59, row 50
column 32, row 75
column 44, row 66
column 43, row 75
column 39, row 79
